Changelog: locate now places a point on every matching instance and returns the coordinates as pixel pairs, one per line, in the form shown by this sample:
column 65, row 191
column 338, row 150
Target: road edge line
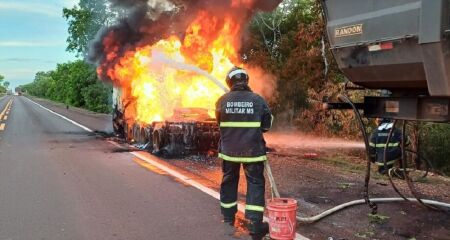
column 166, row 169
column 193, row 183
column 62, row 116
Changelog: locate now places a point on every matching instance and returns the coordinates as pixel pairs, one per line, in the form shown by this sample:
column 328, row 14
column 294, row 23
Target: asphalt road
column 58, row 181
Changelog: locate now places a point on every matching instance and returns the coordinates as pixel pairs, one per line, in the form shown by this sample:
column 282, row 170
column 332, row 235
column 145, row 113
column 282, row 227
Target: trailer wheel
column 143, row 138
column 135, row 133
column 128, row 132
column 157, row 140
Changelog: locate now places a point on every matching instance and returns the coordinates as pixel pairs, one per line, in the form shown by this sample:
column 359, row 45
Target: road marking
column 63, row 117
column 2, row 127
column 166, row 169
column 6, row 110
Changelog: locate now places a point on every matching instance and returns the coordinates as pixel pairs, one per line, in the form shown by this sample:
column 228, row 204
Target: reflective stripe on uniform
column 241, row 124
column 243, row 159
column 383, row 145
column 254, row 208
column 228, row 205
column 387, row 163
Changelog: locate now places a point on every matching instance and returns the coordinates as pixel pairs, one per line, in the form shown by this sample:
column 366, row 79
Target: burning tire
column 191, row 131
column 157, row 140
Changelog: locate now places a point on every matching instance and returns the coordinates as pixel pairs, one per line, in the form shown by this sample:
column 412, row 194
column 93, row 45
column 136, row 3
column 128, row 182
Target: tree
column 2, row 88
column 85, row 20
column 435, row 145
column 41, row 86
column 287, row 43
column 6, row 84
column 72, row 83
column 97, row 97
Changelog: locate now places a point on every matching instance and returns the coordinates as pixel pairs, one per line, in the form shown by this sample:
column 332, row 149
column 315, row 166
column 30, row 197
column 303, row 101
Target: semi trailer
column 400, row 46
column 402, row 49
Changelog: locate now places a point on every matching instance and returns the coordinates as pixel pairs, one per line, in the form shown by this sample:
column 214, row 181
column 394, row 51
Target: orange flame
column 157, row 88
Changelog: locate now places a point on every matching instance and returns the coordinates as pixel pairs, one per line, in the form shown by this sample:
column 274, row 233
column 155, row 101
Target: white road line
column 194, row 183
column 166, row 169
column 61, row 116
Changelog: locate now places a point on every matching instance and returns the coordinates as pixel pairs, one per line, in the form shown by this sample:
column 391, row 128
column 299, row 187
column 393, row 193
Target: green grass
column 365, row 234
column 378, row 218
column 345, row 185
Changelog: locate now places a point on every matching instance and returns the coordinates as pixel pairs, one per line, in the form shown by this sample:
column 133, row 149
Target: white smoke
column 262, row 82
column 156, row 7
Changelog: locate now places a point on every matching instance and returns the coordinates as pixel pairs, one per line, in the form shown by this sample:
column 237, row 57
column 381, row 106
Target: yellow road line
column 2, row 114
column 6, row 110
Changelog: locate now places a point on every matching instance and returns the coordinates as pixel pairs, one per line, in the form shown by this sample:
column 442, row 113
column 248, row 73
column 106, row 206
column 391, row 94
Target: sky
column 33, row 37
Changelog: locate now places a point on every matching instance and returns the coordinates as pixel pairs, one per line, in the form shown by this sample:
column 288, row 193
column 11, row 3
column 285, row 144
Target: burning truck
column 187, row 131
column 168, row 60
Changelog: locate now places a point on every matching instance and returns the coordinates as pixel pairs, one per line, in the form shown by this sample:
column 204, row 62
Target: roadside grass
column 378, row 218
column 344, row 186
column 365, row 234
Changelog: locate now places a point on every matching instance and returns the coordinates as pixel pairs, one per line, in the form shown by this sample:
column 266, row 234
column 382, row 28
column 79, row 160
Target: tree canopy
column 85, row 20
column 73, row 83
column 3, row 84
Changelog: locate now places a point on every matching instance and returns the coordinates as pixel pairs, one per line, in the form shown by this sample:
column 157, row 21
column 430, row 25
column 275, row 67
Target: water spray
column 160, row 57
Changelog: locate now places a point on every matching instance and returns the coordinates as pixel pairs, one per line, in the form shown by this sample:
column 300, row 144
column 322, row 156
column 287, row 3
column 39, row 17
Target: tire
column 128, row 133
column 157, row 140
column 143, row 138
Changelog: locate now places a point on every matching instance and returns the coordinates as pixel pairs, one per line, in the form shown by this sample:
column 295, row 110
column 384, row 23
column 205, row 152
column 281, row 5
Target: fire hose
column 305, row 220
column 363, row 201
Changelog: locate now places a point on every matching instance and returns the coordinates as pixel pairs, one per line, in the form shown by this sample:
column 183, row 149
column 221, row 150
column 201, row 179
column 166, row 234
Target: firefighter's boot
column 258, row 229
column 229, row 220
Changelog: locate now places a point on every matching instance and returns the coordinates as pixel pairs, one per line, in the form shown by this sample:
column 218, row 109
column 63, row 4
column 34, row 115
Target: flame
column 157, row 88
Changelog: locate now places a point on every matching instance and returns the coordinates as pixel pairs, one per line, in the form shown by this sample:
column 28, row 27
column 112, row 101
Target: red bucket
column 282, row 218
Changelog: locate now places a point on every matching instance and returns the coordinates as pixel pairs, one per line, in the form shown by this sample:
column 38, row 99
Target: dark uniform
column 243, row 117
column 378, row 143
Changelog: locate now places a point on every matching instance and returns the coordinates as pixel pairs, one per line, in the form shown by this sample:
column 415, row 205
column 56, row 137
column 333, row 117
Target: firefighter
column 378, row 143
column 243, row 117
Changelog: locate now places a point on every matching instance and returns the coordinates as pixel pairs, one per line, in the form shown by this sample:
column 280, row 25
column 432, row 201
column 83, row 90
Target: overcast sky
column 32, row 38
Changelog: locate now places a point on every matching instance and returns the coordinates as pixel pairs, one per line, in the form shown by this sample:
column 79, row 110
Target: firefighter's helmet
column 380, row 121
column 237, row 76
